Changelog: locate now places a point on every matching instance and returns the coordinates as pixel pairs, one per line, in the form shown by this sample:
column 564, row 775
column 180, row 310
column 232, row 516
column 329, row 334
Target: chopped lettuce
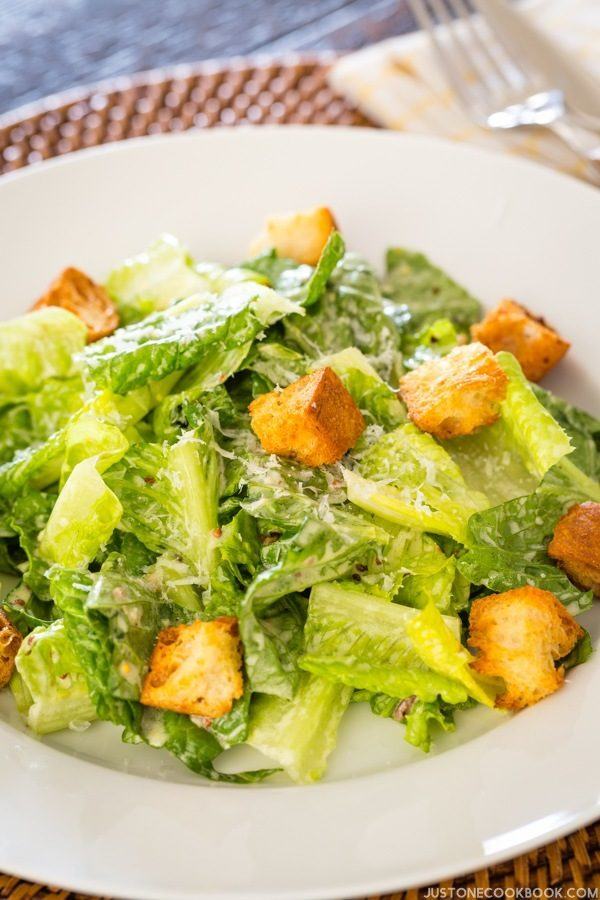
column 349, row 314
column 34, row 416
column 82, row 520
column 169, row 496
column 300, row 283
column 299, row 734
column 36, row 347
column 441, row 650
column 509, row 458
column 409, row 479
column 431, row 577
column 375, row 399
column 272, row 645
column 363, row 641
column 419, row 717
column 26, row 610
column 135, row 496
column 49, row 684
column 277, row 364
column 154, row 279
column 29, row 515
column 202, row 327
column 507, row 548
column 539, row 439
column 582, row 428
column 419, row 293
column 194, row 471
column 429, row 342
column 321, row 550
column 191, row 743
column 90, row 437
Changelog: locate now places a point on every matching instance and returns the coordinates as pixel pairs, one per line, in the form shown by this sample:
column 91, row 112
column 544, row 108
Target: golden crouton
column 512, row 327
column 78, row 294
column 300, row 236
column 10, row 641
column 576, row 545
column 196, row 669
column 518, row 636
column 314, row 420
column 455, row 394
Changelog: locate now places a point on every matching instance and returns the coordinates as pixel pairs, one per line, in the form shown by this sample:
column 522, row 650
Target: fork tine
column 503, row 45
column 462, row 12
column 468, row 62
column 427, row 22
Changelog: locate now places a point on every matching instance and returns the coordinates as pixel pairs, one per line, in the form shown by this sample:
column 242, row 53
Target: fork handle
column 584, row 142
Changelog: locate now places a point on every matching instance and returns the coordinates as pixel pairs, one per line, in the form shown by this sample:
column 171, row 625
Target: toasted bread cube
column 10, row 641
column 299, row 236
column 512, row 327
column 576, row 545
column 455, row 394
column 314, row 420
column 519, row 635
column 196, row 669
column 78, row 294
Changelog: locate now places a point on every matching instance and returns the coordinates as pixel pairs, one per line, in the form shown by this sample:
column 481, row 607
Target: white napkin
column 397, row 83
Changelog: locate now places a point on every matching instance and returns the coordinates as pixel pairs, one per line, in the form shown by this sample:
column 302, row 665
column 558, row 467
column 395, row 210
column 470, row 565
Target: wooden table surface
column 52, row 45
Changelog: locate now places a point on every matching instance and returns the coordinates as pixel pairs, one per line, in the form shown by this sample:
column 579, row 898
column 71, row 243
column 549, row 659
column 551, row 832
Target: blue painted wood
column 52, row 45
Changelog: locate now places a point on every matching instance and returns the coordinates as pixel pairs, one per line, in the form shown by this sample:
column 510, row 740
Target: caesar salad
column 236, row 500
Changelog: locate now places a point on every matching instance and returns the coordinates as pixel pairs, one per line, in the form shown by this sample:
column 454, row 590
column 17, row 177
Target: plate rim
column 574, row 819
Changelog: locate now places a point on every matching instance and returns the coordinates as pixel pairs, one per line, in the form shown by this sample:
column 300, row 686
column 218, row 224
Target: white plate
column 89, row 813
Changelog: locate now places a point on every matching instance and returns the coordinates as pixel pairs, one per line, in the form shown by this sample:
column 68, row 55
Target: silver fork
column 497, row 88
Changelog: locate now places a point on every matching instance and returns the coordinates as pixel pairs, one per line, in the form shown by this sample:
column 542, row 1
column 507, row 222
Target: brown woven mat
column 289, row 89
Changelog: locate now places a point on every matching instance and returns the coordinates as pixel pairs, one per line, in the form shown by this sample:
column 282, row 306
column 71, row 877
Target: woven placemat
column 289, row 89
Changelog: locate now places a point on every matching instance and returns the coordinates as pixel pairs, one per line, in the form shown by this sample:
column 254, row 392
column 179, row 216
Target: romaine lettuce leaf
column 235, row 561
column 36, row 415
column 272, row 645
column 422, row 717
column 507, row 548
column 192, row 744
column 362, row 641
column 232, row 728
column 419, row 293
column 301, row 283
column 490, row 462
column 349, row 314
column 540, row 441
column 429, row 342
column 152, row 280
column 419, row 717
column 194, row 470
column 441, row 650
column 38, row 346
column 407, row 478
column 201, row 328
column 431, row 576
column 111, row 621
column 509, row 458
column 321, row 550
column 278, row 364
column 40, row 465
column 376, row 400
column 49, row 685
column 26, row 611
column 82, row 520
column 90, row 437
column 582, row 428
column 29, row 515
column 169, row 496
column 175, row 579
column 301, row 733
